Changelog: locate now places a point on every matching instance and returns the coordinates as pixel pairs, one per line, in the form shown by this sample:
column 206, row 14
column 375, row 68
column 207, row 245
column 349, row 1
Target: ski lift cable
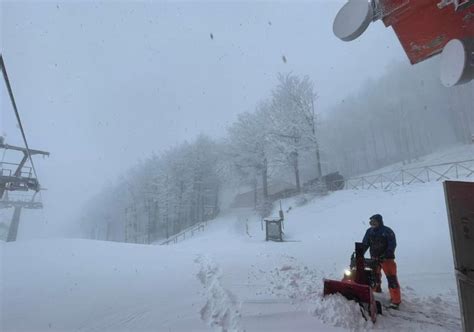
column 12, row 99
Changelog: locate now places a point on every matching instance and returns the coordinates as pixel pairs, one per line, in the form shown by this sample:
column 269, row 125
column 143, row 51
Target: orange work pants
column 389, row 267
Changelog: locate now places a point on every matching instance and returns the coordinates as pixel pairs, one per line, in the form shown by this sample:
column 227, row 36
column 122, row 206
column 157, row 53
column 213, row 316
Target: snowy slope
column 447, row 155
column 229, row 279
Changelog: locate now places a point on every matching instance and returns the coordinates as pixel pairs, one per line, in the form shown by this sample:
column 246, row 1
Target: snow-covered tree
column 293, row 121
column 249, row 147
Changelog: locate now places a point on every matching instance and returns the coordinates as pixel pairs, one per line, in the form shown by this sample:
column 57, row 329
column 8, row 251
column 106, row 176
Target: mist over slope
column 229, row 278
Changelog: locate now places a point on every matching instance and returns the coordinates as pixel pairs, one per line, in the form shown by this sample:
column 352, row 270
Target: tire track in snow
column 221, row 309
column 116, row 320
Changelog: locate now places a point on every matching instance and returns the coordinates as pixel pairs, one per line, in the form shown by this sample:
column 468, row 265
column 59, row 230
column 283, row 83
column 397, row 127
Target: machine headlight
column 347, row 272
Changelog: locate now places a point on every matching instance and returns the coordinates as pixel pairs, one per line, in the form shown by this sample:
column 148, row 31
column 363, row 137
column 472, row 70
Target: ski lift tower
column 16, row 177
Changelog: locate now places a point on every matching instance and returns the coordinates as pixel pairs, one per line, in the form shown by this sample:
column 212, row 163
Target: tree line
column 405, row 114
column 399, row 117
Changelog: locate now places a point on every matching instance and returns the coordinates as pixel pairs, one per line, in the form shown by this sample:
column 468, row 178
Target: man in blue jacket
column 381, row 241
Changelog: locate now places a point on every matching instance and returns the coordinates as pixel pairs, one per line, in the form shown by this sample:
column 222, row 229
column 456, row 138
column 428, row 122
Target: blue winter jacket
column 381, row 241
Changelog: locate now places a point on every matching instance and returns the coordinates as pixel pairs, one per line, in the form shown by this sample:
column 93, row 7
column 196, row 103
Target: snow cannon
column 424, row 28
column 357, row 283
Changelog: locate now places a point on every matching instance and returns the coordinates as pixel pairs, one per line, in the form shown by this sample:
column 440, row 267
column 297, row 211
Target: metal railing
column 186, row 233
column 439, row 172
column 8, row 169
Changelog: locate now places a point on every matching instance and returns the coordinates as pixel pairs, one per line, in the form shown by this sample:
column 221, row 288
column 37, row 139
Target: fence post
column 403, row 179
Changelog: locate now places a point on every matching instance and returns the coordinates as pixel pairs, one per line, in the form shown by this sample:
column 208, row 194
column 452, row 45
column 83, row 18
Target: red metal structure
column 424, row 27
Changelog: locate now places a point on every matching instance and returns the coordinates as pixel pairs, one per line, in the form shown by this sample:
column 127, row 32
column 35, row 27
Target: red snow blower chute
column 358, row 282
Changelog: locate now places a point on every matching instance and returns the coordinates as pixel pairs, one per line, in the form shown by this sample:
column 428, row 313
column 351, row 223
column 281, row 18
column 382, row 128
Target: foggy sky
column 101, row 85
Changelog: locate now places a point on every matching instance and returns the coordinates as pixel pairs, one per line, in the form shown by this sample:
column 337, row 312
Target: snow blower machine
column 358, row 283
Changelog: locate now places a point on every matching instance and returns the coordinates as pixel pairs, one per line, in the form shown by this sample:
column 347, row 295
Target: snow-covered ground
column 229, row 279
column 451, row 154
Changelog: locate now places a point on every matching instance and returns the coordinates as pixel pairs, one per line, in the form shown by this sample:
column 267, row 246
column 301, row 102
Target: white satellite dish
column 352, row 19
column 455, row 63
